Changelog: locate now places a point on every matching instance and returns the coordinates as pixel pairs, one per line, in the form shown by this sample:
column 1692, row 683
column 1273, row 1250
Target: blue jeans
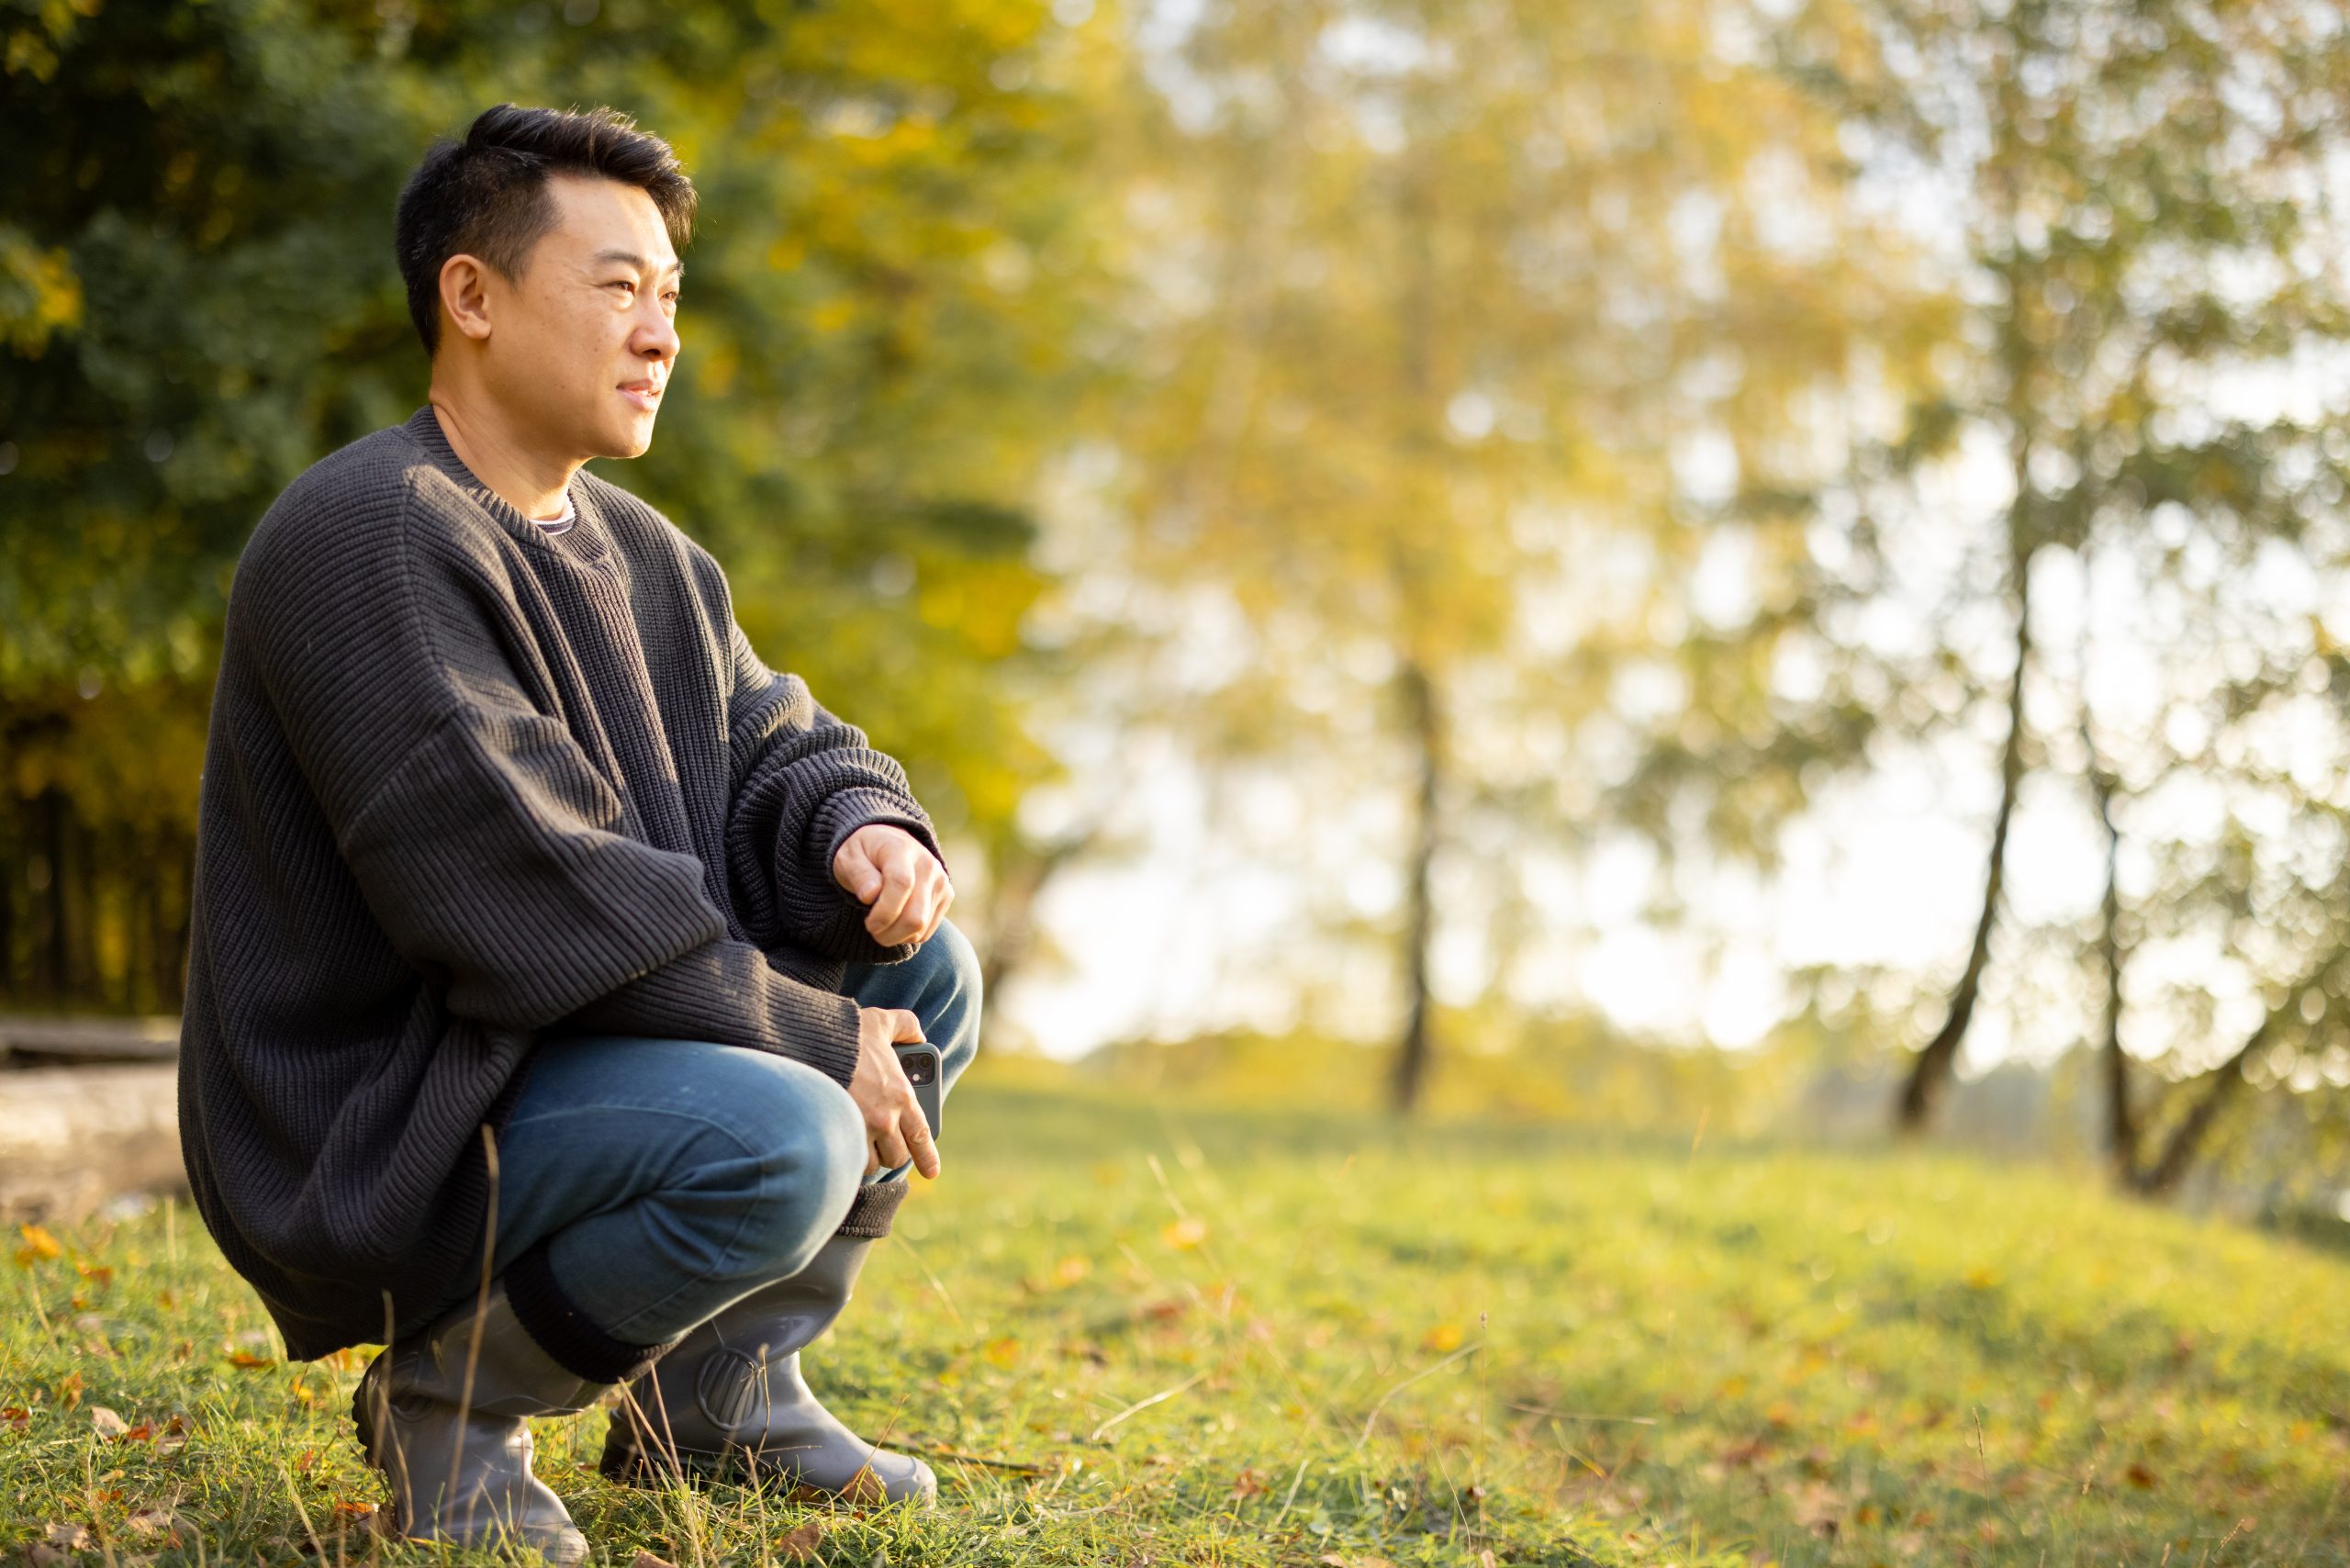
column 672, row 1178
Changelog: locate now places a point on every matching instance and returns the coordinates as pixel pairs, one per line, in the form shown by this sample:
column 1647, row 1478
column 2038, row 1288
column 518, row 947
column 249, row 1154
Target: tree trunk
column 1931, row 1073
column 1011, row 935
column 57, row 964
column 2120, row 1121
column 2163, row 1177
column 12, row 872
column 163, row 959
column 1414, row 1051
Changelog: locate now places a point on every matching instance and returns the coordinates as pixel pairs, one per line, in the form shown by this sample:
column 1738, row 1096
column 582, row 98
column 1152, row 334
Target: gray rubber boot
column 419, row 1427
column 729, row 1399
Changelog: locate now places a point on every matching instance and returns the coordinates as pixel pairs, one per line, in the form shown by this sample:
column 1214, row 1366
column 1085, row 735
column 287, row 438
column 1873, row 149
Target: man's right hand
column 895, row 1130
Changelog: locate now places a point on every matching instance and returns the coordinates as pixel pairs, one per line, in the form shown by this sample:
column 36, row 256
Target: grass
column 1184, row 1335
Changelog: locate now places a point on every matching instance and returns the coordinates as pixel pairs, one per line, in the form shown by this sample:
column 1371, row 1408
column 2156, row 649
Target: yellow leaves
column 40, row 1246
column 1185, row 1234
column 1070, row 1271
column 1004, row 1351
column 47, row 293
column 1442, row 1339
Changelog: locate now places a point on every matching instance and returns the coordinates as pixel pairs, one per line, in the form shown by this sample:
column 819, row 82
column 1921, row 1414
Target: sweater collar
column 586, row 542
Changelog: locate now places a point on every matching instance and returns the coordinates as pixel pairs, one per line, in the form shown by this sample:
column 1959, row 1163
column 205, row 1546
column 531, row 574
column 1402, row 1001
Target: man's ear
column 464, row 295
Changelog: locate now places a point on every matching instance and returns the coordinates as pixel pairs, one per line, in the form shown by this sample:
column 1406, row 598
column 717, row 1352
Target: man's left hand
column 888, row 868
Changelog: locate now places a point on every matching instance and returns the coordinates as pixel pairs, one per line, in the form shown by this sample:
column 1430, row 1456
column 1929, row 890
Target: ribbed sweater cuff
column 818, row 1028
column 547, row 1315
column 876, row 1209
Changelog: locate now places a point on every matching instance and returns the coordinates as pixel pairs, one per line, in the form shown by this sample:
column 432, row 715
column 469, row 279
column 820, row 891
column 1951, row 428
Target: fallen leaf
column 1442, row 1339
column 153, row 1521
column 646, row 1560
column 108, row 1424
column 16, row 1418
column 246, row 1359
column 1070, row 1271
column 800, row 1544
column 39, row 1248
column 1247, row 1484
column 1185, row 1233
column 2140, row 1477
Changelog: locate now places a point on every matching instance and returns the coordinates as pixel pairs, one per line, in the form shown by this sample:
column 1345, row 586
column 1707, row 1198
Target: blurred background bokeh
column 1742, row 568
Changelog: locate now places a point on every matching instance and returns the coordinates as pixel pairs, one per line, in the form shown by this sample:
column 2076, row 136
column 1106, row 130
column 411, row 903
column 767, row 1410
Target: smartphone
column 920, row 1059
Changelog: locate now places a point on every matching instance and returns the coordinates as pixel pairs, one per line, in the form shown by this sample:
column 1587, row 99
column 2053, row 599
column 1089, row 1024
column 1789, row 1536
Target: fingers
column 890, row 1147
column 887, row 867
column 937, row 915
column 913, row 898
column 914, row 1131
column 854, row 869
column 898, row 885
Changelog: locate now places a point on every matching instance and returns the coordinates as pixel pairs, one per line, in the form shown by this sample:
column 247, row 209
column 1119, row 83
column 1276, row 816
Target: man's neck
column 534, row 482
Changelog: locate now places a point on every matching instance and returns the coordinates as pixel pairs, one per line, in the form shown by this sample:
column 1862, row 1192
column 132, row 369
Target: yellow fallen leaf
column 40, row 1246
column 1185, row 1233
column 1442, row 1339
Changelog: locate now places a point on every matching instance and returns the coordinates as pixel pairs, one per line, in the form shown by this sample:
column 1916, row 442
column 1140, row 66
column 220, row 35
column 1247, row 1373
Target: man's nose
column 657, row 337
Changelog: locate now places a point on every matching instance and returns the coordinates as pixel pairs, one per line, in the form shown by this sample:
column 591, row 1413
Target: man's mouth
column 645, row 395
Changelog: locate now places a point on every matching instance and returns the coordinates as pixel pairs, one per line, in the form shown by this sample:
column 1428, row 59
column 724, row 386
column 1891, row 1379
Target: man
column 550, row 950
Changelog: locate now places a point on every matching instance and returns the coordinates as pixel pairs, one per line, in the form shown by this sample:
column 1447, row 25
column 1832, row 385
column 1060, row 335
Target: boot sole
column 631, row 1466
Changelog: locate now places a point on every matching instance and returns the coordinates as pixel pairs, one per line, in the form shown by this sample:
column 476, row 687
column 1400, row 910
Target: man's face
column 584, row 341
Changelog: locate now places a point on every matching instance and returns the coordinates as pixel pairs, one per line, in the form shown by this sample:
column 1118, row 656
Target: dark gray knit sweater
column 470, row 785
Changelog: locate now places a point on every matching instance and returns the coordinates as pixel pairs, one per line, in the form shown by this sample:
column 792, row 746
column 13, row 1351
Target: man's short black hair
column 487, row 196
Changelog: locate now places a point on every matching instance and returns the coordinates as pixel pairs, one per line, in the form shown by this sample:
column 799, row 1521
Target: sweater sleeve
column 805, row 780
column 485, row 842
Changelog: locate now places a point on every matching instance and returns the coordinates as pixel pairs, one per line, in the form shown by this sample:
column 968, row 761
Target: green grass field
column 1168, row 1334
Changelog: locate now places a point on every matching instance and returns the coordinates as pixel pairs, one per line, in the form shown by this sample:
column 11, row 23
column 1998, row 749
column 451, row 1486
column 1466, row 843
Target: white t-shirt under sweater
column 558, row 524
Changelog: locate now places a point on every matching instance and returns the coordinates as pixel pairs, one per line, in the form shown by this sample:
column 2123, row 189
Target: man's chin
column 623, row 444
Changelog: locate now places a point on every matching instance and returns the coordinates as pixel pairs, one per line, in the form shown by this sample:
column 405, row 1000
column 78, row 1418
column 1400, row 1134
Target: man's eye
column 622, row 283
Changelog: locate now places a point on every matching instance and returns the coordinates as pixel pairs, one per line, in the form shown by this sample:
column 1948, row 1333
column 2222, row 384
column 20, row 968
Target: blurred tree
column 1472, row 326
column 2138, row 193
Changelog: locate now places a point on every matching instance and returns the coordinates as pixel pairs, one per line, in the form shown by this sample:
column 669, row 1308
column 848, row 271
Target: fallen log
column 73, row 1139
